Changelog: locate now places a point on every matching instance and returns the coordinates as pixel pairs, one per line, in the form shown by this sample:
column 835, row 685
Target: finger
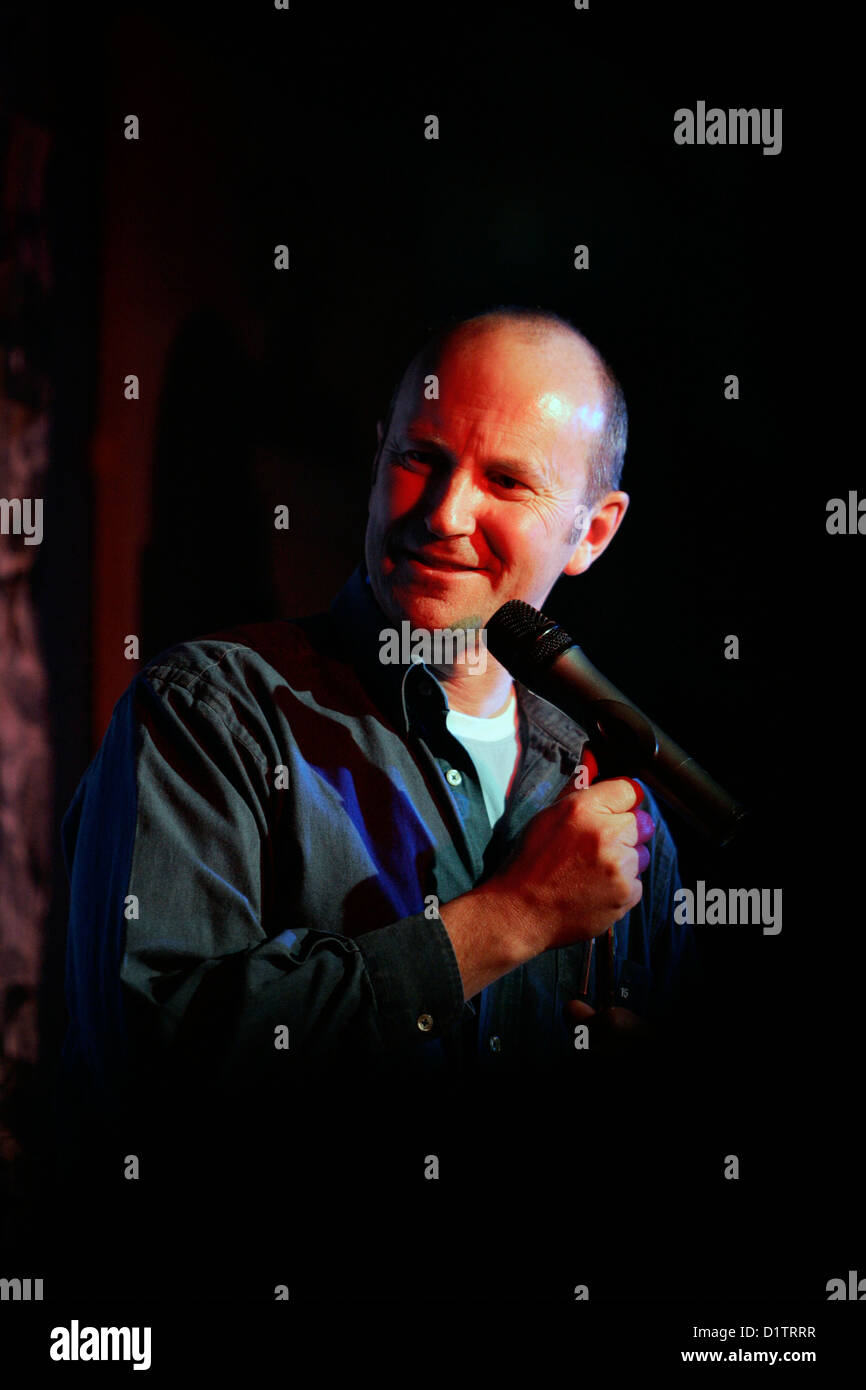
column 588, row 760
column 633, row 827
column 583, row 776
column 638, row 790
column 617, row 794
column 632, row 865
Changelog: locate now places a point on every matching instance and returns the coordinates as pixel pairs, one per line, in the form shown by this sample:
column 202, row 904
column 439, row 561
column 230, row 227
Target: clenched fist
column 575, row 869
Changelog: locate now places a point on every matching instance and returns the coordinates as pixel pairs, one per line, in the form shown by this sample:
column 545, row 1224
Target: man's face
column 475, row 493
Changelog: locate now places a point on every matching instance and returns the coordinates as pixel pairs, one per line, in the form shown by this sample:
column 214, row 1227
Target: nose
column 453, row 501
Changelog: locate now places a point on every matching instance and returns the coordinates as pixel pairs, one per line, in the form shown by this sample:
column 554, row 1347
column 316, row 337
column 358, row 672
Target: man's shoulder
column 247, row 682
column 276, row 652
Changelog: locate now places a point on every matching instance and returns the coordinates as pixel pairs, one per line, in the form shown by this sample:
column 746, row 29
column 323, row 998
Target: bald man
column 295, row 855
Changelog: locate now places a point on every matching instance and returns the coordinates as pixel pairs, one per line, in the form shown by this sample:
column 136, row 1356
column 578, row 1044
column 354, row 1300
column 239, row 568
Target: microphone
column 541, row 654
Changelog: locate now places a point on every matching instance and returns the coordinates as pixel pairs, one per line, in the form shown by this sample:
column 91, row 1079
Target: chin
column 426, row 604
column 422, row 610
column 430, row 613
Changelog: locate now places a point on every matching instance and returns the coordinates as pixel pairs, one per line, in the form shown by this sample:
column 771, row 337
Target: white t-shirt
column 493, row 745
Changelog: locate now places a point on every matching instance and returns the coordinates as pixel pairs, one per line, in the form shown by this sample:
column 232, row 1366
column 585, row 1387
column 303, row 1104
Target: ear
column 605, row 521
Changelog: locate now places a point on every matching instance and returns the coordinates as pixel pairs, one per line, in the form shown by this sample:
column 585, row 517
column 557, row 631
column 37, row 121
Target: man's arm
column 573, row 873
column 170, row 845
column 170, row 849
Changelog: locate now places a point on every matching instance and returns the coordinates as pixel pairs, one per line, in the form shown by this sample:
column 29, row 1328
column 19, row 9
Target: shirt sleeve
column 170, row 850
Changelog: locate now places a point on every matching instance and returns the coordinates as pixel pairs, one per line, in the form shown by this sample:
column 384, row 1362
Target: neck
column 484, row 693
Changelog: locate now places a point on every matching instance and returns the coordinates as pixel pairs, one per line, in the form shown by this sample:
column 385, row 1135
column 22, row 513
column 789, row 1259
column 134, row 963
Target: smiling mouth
column 434, row 562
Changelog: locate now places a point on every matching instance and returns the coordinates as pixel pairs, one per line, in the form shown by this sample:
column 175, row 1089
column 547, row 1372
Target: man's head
column 504, row 467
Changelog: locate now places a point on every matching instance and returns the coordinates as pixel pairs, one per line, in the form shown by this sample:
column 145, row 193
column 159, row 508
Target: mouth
column 434, row 562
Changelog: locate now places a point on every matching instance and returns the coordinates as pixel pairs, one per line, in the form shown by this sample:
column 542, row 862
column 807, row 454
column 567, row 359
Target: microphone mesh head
column 524, row 639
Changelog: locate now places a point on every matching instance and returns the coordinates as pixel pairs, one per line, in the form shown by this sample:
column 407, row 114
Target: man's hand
column 573, row 873
column 575, row 870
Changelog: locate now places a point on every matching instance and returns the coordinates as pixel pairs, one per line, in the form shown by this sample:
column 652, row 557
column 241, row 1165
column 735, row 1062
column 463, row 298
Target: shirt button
column 453, row 776
column 495, row 1044
column 425, row 1022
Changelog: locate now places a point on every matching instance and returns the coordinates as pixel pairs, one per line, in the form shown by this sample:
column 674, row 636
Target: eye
column 504, row 480
column 406, row 457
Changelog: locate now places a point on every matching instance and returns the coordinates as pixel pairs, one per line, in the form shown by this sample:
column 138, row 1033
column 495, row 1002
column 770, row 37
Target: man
column 291, row 858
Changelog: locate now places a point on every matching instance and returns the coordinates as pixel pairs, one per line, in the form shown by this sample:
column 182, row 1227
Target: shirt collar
column 397, row 687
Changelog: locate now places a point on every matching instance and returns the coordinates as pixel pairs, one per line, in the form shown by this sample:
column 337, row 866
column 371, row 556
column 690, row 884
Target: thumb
column 583, row 776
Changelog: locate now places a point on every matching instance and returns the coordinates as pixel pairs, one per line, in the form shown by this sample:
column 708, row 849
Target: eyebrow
column 414, row 436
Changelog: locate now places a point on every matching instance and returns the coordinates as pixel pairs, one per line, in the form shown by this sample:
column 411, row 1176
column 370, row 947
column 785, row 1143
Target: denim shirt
column 254, row 848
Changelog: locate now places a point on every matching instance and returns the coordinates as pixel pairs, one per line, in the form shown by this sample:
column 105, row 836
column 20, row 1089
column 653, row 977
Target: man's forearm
column 490, row 935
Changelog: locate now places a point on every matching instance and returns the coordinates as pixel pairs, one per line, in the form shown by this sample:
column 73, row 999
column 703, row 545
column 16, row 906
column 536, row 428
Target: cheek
column 397, row 493
column 522, row 531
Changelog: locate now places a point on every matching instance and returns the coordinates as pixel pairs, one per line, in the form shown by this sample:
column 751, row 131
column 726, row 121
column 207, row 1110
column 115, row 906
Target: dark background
column 556, row 127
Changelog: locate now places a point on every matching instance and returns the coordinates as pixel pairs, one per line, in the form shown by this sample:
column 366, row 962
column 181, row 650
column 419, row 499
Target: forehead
column 544, row 388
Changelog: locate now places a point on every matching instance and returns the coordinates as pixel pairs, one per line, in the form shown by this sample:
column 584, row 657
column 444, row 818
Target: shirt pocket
column 633, row 986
